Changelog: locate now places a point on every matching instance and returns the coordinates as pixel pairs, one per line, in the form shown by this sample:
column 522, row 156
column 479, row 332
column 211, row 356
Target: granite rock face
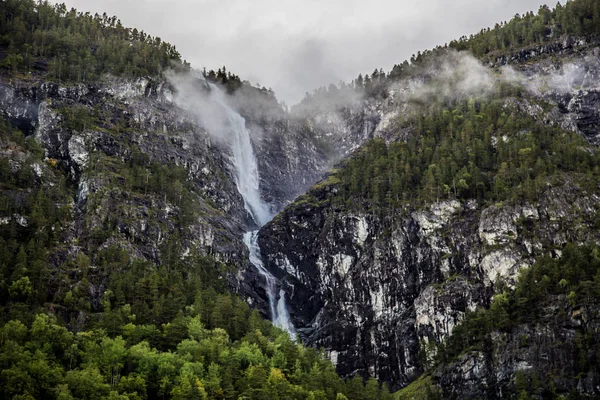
column 538, row 353
column 374, row 291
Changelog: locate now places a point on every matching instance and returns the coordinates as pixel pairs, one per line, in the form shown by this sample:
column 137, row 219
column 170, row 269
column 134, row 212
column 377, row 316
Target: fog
column 459, row 75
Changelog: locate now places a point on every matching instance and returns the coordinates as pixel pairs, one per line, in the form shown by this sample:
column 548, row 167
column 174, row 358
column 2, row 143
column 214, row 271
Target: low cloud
column 453, row 75
column 560, row 79
column 220, row 113
column 459, row 75
column 194, row 95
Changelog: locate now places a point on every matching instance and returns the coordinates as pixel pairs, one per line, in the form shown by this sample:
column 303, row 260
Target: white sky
column 295, row 46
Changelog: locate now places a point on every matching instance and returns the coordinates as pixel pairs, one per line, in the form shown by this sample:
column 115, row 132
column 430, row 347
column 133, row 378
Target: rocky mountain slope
column 386, row 284
column 147, row 177
column 135, row 125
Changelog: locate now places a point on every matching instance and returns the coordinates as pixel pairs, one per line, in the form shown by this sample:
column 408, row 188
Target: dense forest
column 49, row 361
column 486, row 149
column 579, row 18
column 74, row 46
column 465, row 149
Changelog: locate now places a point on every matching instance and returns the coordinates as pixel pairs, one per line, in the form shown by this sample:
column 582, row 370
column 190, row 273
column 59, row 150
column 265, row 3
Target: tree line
column 74, row 46
column 464, row 149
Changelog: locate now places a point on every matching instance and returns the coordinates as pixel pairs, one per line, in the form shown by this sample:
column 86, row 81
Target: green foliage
column 78, row 117
column 34, row 218
column 229, row 81
column 462, row 150
column 48, row 361
column 140, row 175
column 421, row 389
column 576, row 18
column 76, row 46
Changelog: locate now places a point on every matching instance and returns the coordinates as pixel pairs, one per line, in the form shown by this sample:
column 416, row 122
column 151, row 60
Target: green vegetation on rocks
column 75, row 46
column 465, row 149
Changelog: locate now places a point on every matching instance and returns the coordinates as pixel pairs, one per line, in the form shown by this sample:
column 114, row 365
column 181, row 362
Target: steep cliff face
column 571, row 84
column 346, row 127
column 299, row 159
column 129, row 118
column 383, row 287
column 442, row 249
column 535, row 358
column 296, row 149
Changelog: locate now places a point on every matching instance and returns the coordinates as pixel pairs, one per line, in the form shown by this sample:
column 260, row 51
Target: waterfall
column 244, row 161
column 248, row 184
column 277, row 307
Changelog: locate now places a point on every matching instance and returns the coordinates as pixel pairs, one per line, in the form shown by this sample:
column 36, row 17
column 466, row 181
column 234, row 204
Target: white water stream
column 244, row 161
column 277, row 307
column 248, row 181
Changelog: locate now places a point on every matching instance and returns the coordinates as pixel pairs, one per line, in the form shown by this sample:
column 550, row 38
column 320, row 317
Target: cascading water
column 248, row 181
column 277, row 307
column 244, row 161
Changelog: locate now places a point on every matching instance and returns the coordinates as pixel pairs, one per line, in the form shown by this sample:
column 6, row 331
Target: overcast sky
column 294, row 46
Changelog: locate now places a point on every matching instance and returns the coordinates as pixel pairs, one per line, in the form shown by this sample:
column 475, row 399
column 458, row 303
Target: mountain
column 479, row 171
column 433, row 228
